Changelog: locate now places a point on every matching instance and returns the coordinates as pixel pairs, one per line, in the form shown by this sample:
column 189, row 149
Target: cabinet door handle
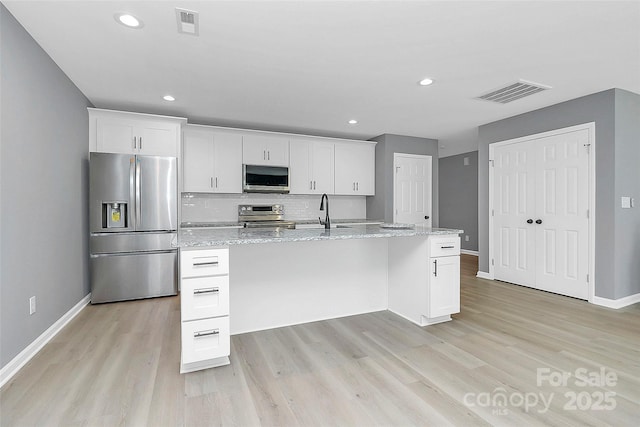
column 211, row 183
column 354, row 186
column 141, row 143
column 206, row 291
column 206, row 333
column 314, row 185
column 205, row 263
column 135, row 145
column 268, row 155
column 435, row 267
column 310, row 185
column 358, row 186
column 264, row 154
column 216, row 182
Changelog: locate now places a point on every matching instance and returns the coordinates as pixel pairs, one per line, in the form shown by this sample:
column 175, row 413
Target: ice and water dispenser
column 114, row 215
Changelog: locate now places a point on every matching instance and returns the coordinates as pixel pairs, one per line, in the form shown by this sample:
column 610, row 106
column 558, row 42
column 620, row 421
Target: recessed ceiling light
column 353, row 122
column 426, row 82
column 128, row 20
column 168, row 98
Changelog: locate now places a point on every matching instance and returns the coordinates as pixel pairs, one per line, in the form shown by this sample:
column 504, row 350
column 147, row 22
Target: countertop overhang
column 205, row 237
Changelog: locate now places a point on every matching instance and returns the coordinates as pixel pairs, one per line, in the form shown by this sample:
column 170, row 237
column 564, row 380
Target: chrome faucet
column 327, row 221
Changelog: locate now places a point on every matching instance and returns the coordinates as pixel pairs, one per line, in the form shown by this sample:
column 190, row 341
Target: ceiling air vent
column 188, row 21
column 513, row 91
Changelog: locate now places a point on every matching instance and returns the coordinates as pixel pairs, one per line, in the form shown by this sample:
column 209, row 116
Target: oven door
column 265, row 179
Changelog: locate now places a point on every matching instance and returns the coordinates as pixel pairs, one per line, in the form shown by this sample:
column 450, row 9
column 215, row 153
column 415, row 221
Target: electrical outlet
column 466, row 238
column 32, row 305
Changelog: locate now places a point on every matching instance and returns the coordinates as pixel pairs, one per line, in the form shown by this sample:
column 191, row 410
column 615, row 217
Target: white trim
column 617, row 303
column 484, row 275
column 468, row 252
column 10, row 369
column 591, row 128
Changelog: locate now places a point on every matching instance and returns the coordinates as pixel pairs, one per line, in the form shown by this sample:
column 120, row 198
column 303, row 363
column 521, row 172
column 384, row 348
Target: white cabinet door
column 197, row 162
column 355, row 169
column 300, row 180
column 227, row 163
column 211, row 161
column 158, row 139
column 268, row 150
column 311, row 168
column 119, row 133
column 116, row 136
column 322, row 167
column 444, row 286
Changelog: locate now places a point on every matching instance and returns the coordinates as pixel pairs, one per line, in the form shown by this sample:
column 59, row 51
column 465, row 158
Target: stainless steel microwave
column 265, row 179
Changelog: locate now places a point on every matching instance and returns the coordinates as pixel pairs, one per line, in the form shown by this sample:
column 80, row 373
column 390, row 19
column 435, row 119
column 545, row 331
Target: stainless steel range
column 263, row 216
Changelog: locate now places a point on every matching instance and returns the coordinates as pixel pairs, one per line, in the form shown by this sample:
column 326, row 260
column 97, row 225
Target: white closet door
column 514, row 205
column 562, row 201
column 540, row 213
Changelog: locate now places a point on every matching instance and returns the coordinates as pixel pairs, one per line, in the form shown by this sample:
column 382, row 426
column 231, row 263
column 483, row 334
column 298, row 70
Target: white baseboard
column 468, row 252
column 617, row 303
column 10, row 369
column 483, row 275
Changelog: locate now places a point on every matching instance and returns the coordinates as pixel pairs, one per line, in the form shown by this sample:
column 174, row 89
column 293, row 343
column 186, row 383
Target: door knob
column 529, row 221
column 426, row 217
column 538, row 221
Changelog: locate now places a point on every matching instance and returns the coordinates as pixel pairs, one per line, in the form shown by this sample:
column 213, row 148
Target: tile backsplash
column 202, row 207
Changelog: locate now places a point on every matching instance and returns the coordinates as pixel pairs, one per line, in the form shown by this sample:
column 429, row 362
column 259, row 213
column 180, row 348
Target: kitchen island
column 255, row 279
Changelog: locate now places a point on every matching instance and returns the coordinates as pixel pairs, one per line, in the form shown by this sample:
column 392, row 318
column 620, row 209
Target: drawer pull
column 447, row 247
column 205, row 263
column 206, row 291
column 206, row 333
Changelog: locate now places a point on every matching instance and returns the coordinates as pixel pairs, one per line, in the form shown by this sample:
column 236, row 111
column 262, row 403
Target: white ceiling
column 309, row 67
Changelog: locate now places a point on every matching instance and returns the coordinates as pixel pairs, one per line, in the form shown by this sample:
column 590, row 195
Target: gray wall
column 43, row 209
column 602, row 109
column 627, row 155
column 458, row 189
column 380, row 206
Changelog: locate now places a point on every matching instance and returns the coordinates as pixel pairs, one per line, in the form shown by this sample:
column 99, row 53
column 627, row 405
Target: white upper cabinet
column 212, row 161
column 355, row 168
column 268, row 150
column 133, row 133
column 311, row 168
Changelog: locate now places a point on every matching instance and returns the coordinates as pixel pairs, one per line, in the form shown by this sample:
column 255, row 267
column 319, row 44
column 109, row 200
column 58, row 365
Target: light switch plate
column 626, row 202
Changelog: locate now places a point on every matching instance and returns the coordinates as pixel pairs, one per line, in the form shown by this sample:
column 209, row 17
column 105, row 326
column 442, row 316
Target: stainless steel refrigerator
column 133, row 219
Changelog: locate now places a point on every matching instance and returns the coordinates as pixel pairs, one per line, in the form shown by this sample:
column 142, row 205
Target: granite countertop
column 203, row 237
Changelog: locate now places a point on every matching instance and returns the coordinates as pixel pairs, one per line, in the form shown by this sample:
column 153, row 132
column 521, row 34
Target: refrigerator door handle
column 137, row 193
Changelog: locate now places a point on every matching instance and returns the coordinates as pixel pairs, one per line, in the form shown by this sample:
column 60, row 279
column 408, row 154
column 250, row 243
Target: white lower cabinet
column 443, row 293
column 204, row 305
column 424, row 278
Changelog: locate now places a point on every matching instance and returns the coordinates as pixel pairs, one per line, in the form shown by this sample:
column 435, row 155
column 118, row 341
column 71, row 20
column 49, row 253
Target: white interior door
column 562, row 203
column 513, row 213
column 412, row 189
column 540, row 213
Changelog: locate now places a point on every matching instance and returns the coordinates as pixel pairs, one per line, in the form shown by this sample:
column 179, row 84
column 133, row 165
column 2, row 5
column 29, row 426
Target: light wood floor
column 117, row 364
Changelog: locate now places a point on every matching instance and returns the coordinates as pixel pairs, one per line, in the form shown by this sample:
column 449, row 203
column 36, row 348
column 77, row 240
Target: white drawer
column 203, row 297
column 208, row 262
column 205, row 339
column 444, row 246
